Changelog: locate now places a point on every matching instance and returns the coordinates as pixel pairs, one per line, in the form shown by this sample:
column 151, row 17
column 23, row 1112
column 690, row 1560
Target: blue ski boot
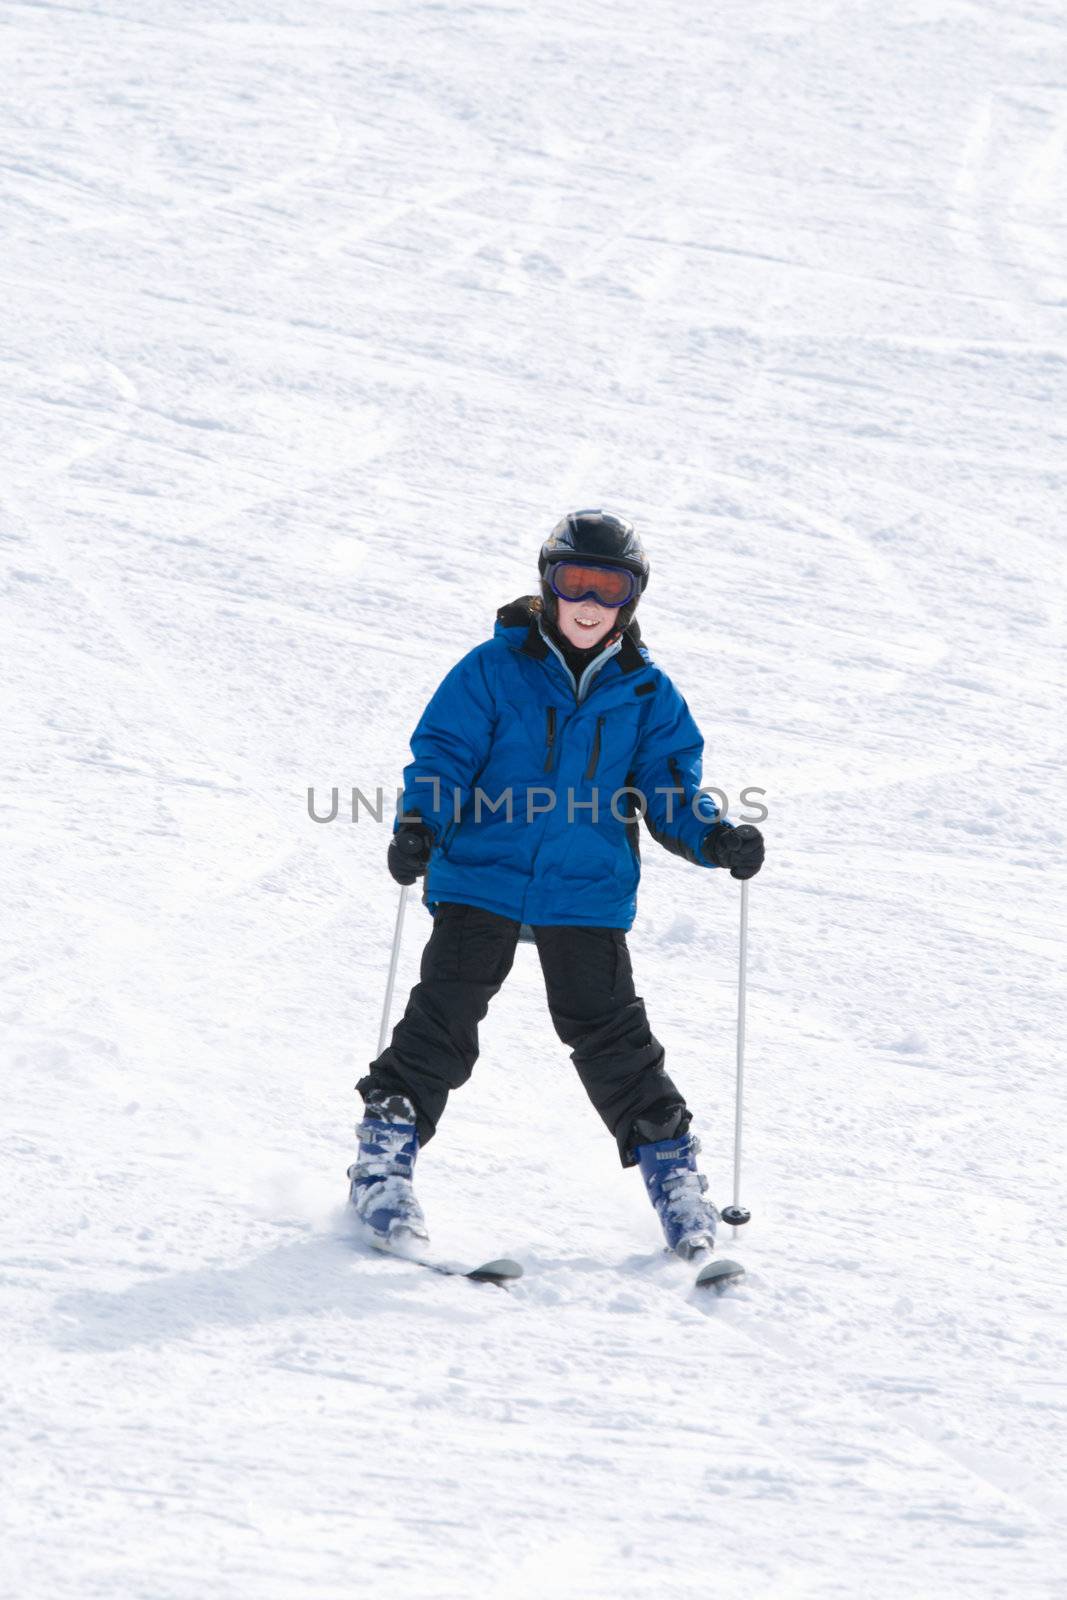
column 382, row 1191
column 676, row 1189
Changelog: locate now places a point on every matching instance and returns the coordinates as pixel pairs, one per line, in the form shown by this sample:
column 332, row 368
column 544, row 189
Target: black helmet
column 595, row 536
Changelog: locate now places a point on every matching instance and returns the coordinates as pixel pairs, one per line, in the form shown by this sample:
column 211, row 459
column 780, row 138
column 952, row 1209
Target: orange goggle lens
column 611, row 586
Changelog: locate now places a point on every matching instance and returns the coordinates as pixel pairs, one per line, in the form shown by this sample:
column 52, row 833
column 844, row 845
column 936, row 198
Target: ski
column 500, row 1270
column 719, row 1275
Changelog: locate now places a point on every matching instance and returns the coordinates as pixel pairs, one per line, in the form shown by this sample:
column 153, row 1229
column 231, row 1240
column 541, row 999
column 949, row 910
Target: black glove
column 740, row 849
column 409, row 851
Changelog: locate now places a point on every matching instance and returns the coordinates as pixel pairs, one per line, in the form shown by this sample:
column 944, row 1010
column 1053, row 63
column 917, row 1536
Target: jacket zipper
column 595, row 757
column 550, row 736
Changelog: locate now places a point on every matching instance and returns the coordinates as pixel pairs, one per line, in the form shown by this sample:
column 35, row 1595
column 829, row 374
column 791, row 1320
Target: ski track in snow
column 316, row 320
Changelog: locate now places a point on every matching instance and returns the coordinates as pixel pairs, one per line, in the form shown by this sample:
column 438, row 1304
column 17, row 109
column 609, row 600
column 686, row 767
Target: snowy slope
column 317, row 315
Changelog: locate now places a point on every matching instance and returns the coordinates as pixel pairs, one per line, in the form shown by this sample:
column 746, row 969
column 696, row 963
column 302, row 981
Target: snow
column 317, row 316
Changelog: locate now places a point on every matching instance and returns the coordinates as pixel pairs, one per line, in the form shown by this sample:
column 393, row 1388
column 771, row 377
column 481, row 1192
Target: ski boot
column 381, row 1190
column 676, row 1189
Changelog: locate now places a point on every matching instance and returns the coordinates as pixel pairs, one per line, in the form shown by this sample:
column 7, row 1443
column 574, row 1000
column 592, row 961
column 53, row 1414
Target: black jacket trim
column 590, row 771
column 534, row 645
column 515, row 615
column 633, row 827
column 520, row 611
column 671, row 841
column 550, row 737
column 629, row 657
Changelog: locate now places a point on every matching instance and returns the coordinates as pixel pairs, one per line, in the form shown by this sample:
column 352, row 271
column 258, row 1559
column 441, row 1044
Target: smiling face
column 585, row 623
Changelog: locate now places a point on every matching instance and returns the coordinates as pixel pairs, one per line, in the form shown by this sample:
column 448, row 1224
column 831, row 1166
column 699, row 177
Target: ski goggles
column 609, row 586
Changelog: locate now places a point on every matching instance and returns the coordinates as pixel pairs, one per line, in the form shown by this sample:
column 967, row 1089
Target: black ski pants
column 590, row 989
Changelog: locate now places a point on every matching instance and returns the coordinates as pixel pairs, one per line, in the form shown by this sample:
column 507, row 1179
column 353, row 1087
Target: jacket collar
column 520, row 614
column 629, row 656
column 583, row 682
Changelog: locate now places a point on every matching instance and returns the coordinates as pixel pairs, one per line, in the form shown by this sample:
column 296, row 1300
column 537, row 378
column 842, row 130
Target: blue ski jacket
column 531, row 783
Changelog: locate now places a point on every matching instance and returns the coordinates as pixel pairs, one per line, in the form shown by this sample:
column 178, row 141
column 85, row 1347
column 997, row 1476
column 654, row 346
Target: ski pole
column 388, row 1006
column 736, row 1215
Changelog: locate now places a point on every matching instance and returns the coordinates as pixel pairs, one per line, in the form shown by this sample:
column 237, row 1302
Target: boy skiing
column 532, row 762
